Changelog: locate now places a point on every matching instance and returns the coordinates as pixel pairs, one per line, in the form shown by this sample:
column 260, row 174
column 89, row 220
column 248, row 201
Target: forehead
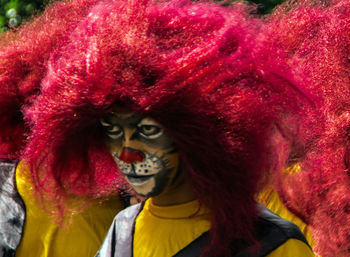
column 123, row 117
column 129, row 119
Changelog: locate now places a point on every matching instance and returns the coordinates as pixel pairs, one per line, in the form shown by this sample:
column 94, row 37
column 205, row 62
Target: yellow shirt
column 292, row 248
column 163, row 231
column 272, row 201
column 43, row 237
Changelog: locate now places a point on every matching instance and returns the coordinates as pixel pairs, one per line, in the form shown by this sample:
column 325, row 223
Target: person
column 189, row 103
column 29, row 225
column 315, row 34
column 270, row 198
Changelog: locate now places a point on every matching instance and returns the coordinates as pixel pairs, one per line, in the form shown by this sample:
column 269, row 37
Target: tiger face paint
column 145, row 155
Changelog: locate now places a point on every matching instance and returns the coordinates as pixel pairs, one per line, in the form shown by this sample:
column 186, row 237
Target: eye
column 150, row 131
column 113, row 131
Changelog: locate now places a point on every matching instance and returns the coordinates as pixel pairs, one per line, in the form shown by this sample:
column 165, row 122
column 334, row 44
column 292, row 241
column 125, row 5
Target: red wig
column 23, row 58
column 317, row 36
column 200, row 70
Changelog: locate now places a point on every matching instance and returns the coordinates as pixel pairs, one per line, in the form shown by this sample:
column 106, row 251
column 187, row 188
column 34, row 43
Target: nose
column 129, row 155
column 130, row 151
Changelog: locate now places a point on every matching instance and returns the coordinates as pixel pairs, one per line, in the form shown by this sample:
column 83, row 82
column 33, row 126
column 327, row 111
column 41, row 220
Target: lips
column 138, row 180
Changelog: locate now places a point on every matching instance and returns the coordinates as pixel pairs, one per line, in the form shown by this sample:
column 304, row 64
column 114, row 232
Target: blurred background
column 14, row 12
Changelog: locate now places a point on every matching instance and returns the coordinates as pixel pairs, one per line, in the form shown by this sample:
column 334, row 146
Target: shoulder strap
column 12, row 210
column 119, row 240
column 195, row 248
column 271, row 231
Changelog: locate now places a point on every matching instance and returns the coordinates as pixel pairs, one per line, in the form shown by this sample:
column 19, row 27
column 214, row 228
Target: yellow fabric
column 272, row 201
column 292, row 248
column 163, row 231
column 43, row 237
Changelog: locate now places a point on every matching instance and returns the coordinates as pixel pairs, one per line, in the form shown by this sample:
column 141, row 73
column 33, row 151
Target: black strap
column 195, row 248
column 271, row 231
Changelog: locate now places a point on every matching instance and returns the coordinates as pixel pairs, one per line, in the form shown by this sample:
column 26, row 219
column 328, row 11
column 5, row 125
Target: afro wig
column 202, row 71
column 317, row 36
column 23, row 58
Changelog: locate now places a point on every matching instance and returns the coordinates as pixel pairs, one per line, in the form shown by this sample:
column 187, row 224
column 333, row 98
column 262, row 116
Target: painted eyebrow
column 120, row 115
column 114, row 119
column 148, row 121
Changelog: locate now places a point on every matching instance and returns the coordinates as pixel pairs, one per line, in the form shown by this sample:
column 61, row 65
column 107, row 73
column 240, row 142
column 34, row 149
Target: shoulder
column 129, row 213
column 271, row 231
column 270, row 225
column 124, row 221
column 292, row 248
column 118, row 241
column 272, row 201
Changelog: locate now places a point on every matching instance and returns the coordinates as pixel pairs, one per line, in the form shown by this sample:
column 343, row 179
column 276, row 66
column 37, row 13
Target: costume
column 25, row 227
column 24, row 55
column 277, row 237
column 177, row 96
column 272, row 201
column 316, row 35
column 32, row 225
column 270, row 198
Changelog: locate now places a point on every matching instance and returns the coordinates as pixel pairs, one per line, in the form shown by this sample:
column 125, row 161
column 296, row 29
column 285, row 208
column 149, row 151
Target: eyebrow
column 148, row 121
column 129, row 121
column 124, row 116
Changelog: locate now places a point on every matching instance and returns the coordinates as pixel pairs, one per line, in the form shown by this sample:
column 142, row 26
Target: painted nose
column 131, row 156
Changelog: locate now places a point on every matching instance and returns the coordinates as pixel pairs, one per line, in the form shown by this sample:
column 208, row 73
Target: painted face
column 145, row 155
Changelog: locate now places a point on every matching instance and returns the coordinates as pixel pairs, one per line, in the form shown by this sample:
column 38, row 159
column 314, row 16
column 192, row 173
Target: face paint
column 145, row 155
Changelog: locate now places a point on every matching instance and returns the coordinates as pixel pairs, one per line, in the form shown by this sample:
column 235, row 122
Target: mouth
column 138, row 180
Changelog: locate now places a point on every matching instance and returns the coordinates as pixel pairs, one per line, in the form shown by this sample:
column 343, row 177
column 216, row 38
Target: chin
column 150, row 189
column 144, row 187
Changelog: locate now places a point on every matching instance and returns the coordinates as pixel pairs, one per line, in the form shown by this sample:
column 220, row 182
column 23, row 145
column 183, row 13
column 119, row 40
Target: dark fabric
column 271, row 231
column 12, row 210
column 7, row 252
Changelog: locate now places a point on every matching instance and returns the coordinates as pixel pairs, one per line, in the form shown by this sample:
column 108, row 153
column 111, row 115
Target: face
column 145, row 155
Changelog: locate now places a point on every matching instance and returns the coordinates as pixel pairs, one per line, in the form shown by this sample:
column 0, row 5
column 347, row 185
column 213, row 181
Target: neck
column 179, row 193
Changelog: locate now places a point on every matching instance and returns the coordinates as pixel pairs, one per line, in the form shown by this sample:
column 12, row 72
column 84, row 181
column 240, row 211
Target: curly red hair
column 23, row 58
column 202, row 71
column 317, row 36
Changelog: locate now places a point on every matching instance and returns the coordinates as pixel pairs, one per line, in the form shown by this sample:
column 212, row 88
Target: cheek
column 173, row 161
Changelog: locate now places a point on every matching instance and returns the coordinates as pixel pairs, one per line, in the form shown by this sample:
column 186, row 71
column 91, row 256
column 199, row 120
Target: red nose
column 130, row 156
